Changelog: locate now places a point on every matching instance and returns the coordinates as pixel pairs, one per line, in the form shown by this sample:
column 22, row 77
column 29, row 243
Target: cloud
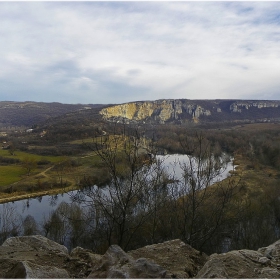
column 114, row 52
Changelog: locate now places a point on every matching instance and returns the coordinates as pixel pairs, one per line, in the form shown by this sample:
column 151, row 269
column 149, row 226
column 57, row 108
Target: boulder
column 142, row 268
column 35, row 242
column 85, row 255
column 39, row 257
column 239, row 264
column 177, row 258
column 26, row 251
column 115, row 263
column 26, row 270
column 272, row 251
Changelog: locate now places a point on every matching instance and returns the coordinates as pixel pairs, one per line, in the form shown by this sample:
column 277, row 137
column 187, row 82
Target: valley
column 87, row 147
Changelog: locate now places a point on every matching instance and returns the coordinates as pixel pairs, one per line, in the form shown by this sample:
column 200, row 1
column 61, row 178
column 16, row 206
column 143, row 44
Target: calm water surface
column 40, row 207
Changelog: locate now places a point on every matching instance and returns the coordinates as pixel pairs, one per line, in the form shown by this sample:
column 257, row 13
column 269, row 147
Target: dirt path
column 25, row 195
column 43, row 173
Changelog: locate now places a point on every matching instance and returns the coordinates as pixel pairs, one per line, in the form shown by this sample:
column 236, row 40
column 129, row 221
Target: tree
column 123, row 207
column 200, row 207
column 61, row 169
column 143, row 204
column 29, row 164
column 30, row 226
column 9, row 222
column 12, row 148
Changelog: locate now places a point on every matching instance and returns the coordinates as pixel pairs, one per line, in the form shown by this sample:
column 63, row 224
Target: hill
column 31, row 113
column 176, row 111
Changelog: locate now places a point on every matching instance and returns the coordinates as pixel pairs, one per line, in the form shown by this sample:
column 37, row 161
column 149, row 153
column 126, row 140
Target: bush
column 43, row 162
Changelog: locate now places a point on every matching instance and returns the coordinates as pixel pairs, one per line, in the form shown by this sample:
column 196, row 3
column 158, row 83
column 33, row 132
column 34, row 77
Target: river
column 40, row 207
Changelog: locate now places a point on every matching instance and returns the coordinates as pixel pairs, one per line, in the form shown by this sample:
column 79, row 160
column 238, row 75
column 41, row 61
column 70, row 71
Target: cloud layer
column 114, row 52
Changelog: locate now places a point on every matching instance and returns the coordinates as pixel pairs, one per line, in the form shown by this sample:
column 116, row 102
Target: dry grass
column 257, row 126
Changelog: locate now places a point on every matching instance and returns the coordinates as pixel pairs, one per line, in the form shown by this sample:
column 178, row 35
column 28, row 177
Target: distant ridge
column 176, row 111
column 185, row 110
column 29, row 113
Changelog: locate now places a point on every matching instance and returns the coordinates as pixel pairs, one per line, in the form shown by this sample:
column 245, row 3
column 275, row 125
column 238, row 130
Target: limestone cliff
column 238, row 106
column 184, row 110
column 159, row 110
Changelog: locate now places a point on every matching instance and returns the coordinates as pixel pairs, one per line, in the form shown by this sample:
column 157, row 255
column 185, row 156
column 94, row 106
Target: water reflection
column 40, row 207
column 54, row 199
column 39, row 198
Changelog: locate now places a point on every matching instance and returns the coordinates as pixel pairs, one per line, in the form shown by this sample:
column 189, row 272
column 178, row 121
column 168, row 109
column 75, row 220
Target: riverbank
column 25, row 195
column 250, row 174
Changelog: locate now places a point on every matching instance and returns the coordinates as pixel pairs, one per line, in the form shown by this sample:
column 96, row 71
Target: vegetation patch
column 23, row 155
column 10, row 174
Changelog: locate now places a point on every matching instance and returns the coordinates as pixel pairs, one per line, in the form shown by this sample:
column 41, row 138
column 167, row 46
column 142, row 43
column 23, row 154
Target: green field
column 23, row 155
column 10, row 174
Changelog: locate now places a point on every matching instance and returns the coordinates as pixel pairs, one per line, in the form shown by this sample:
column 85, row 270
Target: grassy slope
column 15, row 172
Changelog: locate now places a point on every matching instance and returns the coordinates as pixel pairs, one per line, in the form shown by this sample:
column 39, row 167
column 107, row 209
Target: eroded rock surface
column 27, row 270
column 115, row 263
column 26, row 252
column 85, row 255
column 179, row 259
column 39, row 257
column 272, row 251
column 239, row 264
column 185, row 110
column 35, row 242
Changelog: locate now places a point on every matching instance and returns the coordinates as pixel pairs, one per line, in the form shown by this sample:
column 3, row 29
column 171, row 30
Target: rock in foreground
column 27, row 270
column 117, row 264
column 179, row 259
column 239, row 264
column 38, row 257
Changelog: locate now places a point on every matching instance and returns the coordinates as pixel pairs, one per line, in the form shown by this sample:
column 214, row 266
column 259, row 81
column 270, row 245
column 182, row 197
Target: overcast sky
column 115, row 52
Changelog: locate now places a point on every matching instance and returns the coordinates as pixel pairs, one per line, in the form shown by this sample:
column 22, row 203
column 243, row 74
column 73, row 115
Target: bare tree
column 201, row 207
column 55, row 227
column 123, row 207
column 61, row 169
column 29, row 164
column 30, row 226
column 143, row 204
column 9, row 222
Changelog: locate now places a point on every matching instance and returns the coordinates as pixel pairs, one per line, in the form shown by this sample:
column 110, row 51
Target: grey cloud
column 67, row 67
column 123, row 51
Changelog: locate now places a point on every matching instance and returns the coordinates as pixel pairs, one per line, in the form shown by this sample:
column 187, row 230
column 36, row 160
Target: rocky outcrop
column 272, row 252
column 183, row 110
column 238, row 106
column 240, row 264
column 85, row 255
column 179, row 259
column 35, row 242
column 27, row 270
column 115, row 263
column 159, row 110
column 39, row 257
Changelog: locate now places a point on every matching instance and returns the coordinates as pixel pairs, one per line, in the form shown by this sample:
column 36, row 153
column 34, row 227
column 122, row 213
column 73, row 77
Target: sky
column 117, row 52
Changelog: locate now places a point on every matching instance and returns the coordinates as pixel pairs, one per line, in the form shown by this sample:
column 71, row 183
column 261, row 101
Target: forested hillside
column 31, row 113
